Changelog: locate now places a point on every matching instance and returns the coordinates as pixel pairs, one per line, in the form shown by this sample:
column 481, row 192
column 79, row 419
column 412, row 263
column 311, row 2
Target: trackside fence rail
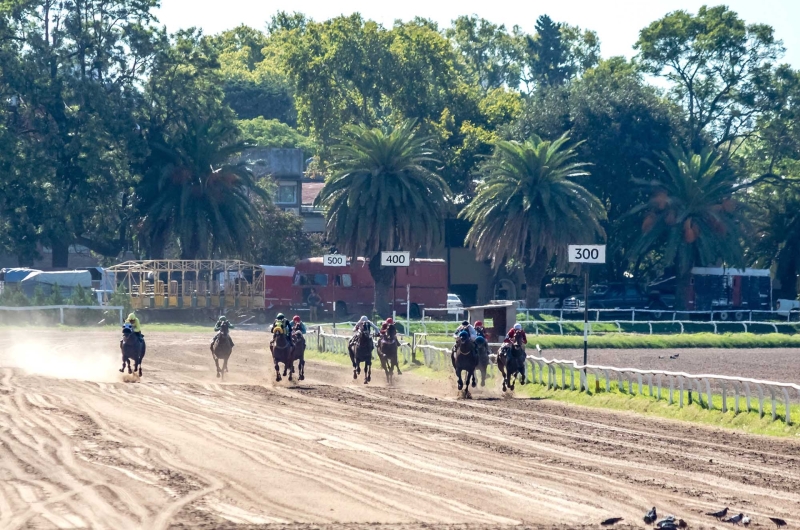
column 709, row 391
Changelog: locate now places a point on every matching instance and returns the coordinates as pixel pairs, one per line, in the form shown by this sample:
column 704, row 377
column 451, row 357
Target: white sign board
column 395, row 259
column 587, row 253
column 334, row 260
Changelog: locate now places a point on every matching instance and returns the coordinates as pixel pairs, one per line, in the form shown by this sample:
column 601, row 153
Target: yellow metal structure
column 174, row 284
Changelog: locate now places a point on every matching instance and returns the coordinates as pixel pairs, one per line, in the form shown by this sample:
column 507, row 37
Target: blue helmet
column 464, row 335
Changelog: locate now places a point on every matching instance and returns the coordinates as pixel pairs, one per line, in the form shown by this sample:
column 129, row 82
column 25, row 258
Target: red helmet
column 389, row 320
column 479, row 323
column 296, row 318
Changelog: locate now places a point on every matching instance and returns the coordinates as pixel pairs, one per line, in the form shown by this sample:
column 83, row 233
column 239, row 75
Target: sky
column 617, row 22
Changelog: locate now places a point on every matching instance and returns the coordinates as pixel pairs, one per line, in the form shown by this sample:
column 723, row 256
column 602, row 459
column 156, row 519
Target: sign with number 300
column 587, row 253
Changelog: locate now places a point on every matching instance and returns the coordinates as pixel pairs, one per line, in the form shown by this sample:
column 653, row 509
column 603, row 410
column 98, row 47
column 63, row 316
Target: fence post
column 61, row 314
column 788, row 407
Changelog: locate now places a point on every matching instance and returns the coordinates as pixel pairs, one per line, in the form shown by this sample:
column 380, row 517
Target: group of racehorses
column 360, row 349
column 466, row 356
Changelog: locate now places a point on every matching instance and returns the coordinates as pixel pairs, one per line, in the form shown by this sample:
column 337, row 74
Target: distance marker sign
column 334, row 260
column 587, row 253
column 395, row 259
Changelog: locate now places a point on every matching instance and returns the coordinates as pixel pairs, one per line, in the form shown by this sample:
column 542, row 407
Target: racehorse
column 387, row 352
column 282, row 352
column 299, row 341
column 221, row 348
column 483, row 358
column 511, row 363
column 132, row 348
column 360, row 350
column 464, row 360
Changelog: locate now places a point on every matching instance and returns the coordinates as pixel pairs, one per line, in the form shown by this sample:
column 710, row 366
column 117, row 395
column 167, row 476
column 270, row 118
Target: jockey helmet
column 465, row 323
column 132, row 317
column 518, row 327
column 223, row 318
column 363, row 318
column 296, row 318
column 389, row 320
column 479, row 323
column 280, row 316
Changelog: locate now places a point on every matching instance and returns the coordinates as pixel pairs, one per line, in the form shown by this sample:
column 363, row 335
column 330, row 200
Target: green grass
column 167, row 328
column 620, row 399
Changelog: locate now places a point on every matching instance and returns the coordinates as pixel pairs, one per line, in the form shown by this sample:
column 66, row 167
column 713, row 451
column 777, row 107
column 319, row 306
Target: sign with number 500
column 587, row 253
column 334, row 260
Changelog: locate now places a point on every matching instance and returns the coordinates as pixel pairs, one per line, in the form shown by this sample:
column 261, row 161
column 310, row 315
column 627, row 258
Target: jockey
column 385, row 328
column 364, row 321
column 479, row 329
column 282, row 323
column 222, row 319
column 298, row 324
column 514, row 332
column 136, row 326
column 466, row 326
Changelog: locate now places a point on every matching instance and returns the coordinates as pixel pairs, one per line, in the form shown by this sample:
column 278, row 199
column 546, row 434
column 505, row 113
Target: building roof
column 310, row 191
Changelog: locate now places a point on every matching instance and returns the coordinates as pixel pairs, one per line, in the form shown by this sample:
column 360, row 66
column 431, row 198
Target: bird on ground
column 746, row 521
column 675, row 356
column 651, row 516
column 660, row 356
column 736, row 519
column 611, row 521
column 682, row 524
column 666, row 521
column 720, row 514
column 778, row 522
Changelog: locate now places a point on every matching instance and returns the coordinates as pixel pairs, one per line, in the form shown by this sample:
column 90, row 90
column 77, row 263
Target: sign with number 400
column 587, row 253
column 334, row 260
column 395, row 259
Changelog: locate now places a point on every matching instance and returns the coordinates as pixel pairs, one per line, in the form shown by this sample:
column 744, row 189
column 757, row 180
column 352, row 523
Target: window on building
column 287, row 193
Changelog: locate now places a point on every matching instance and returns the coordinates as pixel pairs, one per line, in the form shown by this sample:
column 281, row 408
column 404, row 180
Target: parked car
column 454, row 304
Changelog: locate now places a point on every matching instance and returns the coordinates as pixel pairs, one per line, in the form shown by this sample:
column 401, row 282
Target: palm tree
column 692, row 218
column 528, row 208
column 382, row 196
column 194, row 194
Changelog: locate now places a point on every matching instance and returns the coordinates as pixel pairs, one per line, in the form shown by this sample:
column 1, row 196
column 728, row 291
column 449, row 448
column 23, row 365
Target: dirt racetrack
column 81, row 449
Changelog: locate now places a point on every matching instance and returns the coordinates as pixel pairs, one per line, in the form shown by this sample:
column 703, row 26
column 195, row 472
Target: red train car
column 352, row 289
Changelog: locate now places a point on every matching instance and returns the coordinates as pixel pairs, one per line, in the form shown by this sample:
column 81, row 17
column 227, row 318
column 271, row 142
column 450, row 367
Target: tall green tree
column 73, row 71
column 692, row 218
column 528, row 208
column 717, row 66
column 622, row 122
column 777, row 241
column 190, row 192
column 382, row 195
column 488, row 50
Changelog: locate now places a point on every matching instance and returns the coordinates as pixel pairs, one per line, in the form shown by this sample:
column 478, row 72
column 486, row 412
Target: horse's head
column 363, row 336
column 279, row 338
column 224, row 327
column 463, row 343
column 297, row 335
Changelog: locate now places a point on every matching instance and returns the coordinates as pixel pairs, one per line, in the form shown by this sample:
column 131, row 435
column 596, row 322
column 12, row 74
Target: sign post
column 586, row 254
column 334, row 260
column 395, row 259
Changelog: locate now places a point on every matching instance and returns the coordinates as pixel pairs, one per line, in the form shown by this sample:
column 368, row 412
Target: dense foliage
column 120, row 137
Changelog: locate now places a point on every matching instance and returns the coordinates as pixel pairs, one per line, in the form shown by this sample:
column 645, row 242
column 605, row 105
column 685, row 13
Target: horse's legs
column 216, row 363
column 472, row 377
column 397, row 365
column 225, row 364
column 123, row 360
column 277, row 371
column 302, row 369
column 367, row 371
column 460, row 381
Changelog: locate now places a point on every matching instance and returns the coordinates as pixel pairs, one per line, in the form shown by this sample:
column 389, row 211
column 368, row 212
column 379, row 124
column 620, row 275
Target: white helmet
column 518, row 327
column 363, row 318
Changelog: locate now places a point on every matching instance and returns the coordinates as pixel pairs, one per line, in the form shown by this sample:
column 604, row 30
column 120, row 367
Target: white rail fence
column 62, row 308
column 710, row 391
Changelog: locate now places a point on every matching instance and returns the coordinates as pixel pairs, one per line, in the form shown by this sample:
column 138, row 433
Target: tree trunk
column 786, row 273
column 60, row 256
column 534, row 274
column 683, row 280
column 384, row 278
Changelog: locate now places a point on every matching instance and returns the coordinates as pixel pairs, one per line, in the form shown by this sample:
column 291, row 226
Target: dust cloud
column 85, row 362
